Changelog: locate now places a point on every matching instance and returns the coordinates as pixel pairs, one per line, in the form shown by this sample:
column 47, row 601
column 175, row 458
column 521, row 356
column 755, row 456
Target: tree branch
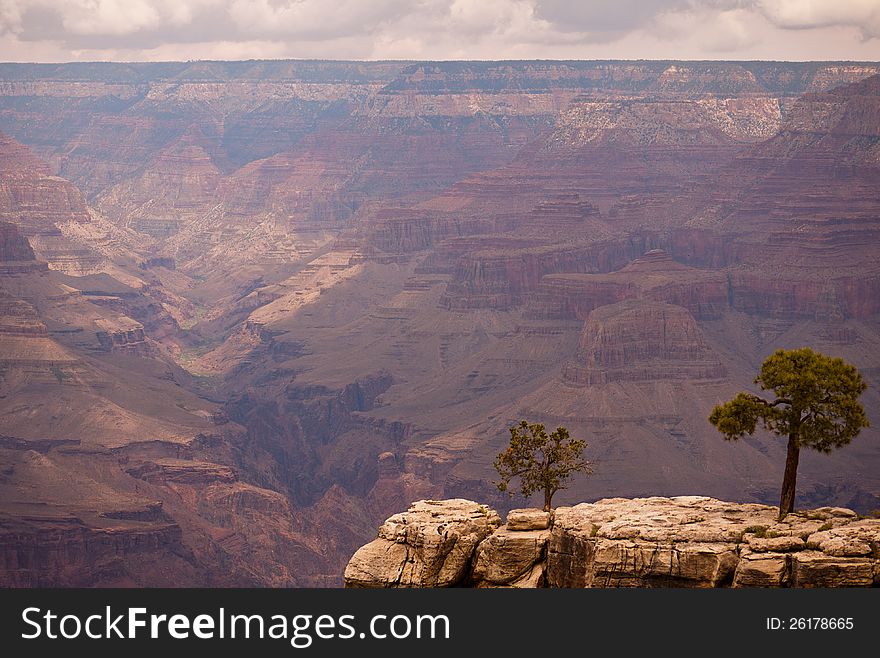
column 518, row 473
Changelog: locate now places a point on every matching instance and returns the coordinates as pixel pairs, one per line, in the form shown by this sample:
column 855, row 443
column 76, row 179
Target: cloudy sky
column 129, row 30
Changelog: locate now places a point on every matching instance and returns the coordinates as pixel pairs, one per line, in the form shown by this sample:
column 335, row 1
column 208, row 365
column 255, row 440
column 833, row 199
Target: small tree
column 542, row 462
column 816, row 406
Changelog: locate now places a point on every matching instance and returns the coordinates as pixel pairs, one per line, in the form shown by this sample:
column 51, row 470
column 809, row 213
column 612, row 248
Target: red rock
column 13, row 246
column 501, row 279
column 640, row 341
column 655, row 276
column 31, row 197
column 534, row 188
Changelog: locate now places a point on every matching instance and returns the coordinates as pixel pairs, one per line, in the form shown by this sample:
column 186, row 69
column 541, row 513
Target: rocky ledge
column 687, row 541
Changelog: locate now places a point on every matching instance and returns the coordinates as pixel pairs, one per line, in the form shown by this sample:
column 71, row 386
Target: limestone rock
column 528, row 519
column 857, row 539
column 775, row 544
column 816, row 569
column 648, row 564
column 761, row 570
column 429, row 545
column 509, row 555
column 686, row 541
column 536, row 577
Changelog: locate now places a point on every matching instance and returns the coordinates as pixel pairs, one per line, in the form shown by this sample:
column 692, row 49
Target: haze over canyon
column 249, row 310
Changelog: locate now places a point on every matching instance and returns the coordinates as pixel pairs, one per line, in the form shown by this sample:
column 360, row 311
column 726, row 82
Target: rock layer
column 642, row 341
column 685, row 541
column 286, row 230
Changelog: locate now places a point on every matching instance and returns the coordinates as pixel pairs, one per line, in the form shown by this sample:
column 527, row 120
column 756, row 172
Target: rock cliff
column 686, row 541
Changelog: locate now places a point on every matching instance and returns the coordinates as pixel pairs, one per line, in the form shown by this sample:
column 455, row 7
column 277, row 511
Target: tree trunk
column 789, row 480
column 548, row 496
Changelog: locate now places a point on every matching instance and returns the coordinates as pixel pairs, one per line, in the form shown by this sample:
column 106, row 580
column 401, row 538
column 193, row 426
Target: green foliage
column 816, row 401
column 816, row 406
column 760, row 531
column 60, row 375
column 540, row 461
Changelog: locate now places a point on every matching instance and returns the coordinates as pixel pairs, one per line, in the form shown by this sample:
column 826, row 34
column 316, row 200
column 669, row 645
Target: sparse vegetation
column 816, row 406
column 60, row 375
column 541, row 461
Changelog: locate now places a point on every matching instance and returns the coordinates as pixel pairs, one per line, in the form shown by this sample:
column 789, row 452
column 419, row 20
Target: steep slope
column 41, row 204
column 110, row 459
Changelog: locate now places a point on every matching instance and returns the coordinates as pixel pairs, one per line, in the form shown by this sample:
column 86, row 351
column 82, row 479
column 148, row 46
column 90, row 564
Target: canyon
column 250, row 310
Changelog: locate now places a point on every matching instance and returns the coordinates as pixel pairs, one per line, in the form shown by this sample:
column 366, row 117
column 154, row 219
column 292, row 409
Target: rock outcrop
column 14, row 247
column 654, row 276
column 430, row 545
column 638, row 340
column 685, row 541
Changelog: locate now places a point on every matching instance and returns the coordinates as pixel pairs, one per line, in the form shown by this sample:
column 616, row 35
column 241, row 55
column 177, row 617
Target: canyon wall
column 248, row 310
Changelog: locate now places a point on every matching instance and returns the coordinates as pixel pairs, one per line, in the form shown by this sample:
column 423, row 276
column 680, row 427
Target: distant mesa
column 639, row 340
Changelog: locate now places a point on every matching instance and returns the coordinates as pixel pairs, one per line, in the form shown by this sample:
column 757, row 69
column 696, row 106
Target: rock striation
column 684, row 541
column 286, row 299
column 42, row 206
column 638, row 340
column 654, row 276
column 14, row 247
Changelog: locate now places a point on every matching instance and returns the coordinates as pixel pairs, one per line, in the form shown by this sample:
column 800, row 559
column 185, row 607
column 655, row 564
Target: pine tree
column 542, row 462
column 815, row 405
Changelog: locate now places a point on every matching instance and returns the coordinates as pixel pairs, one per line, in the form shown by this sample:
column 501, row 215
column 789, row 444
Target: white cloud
column 732, row 32
column 10, row 17
column 310, row 18
column 440, row 29
column 715, row 32
column 110, row 16
column 808, row 14
column 492, row 16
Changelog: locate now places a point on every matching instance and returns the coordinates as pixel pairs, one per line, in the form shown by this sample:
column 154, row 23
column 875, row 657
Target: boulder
column 816, row 569
column 507, row 556
column 648, row 564
column 761, row 570
column 686, row 541
column 782, row 544
column 429, row 545
column 861, row 538
column 528, row 519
